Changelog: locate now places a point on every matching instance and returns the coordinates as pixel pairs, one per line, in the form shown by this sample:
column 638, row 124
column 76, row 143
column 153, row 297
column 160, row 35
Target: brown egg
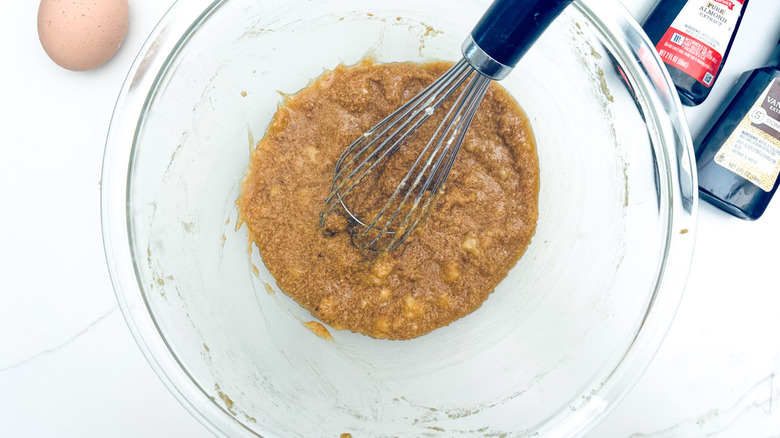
column 82, row 34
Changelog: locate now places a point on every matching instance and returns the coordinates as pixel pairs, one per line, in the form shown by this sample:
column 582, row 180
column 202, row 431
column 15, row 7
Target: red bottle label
column 697, row 39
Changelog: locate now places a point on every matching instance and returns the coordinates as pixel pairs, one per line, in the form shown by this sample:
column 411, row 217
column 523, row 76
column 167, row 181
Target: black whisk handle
column 507, row 30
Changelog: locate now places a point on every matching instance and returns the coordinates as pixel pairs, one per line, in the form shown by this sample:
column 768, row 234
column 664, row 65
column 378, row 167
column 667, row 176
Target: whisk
column 498, row 41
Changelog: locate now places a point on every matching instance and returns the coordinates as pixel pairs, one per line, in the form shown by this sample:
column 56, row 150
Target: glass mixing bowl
column 550, row 352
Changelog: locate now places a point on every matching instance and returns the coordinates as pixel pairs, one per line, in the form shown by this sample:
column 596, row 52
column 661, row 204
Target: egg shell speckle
column 82, row 34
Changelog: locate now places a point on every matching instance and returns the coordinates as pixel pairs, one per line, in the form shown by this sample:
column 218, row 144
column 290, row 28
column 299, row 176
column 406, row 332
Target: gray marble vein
column 714, row 422
column 63, row 344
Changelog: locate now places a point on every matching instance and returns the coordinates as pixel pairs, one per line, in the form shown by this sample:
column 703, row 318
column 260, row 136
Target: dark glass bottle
column 738, row 159
column 693, row 38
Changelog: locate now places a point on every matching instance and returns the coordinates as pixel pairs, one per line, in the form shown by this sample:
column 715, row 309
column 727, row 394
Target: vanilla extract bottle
column 738, row 159
column 693, row 38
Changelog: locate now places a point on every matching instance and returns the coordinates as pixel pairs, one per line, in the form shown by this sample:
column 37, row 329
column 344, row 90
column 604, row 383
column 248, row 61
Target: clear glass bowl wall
column 555, row 346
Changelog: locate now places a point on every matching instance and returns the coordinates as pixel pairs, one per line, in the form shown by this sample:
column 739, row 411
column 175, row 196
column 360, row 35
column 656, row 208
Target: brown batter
column 478, row 230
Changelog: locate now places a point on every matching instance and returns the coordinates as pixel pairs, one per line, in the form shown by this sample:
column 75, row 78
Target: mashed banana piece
column 478, row 230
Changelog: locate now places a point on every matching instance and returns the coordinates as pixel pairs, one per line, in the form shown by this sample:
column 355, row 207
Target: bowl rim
column 172, row 33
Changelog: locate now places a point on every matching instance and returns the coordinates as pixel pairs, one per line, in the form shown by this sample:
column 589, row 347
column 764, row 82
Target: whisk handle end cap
column 509, row 28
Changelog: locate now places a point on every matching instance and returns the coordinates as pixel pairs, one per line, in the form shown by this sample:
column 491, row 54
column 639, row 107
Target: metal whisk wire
column 502, row 36
column 432, row 96
column 429, row 171
column 457, row 122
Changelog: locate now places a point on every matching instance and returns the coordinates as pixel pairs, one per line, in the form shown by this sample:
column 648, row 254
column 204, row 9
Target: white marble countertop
column 70, row 368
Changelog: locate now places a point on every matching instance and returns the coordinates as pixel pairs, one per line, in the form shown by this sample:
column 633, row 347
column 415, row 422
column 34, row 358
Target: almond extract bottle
column 738, row 159
column 693, row 38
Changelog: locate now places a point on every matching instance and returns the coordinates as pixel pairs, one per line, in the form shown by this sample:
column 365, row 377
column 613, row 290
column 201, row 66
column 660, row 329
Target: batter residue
column 478, row 230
